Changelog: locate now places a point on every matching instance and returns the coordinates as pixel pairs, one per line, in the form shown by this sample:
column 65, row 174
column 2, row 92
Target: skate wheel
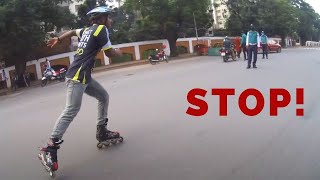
column 99, row 145
column 52, row 174
column 39, row 157
column 121, row 139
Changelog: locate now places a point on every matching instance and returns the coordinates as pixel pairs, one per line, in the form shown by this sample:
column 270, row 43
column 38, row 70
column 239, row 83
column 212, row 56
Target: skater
column 79, row 81
column 243, row 45
column 264, row 42
column 253, row 43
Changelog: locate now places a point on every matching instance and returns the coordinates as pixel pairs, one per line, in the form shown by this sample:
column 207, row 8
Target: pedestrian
column 237, row 43
column 253, row 43
column 244, row 45
column 4, row 77
column 79, row 81
column 264, row 42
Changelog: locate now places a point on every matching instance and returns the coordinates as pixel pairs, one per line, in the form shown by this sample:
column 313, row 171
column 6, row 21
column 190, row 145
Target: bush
column 147, row 53
column 126, row 57
column 182, row 50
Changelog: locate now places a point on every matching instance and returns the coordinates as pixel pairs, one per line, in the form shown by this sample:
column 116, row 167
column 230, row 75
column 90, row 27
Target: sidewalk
column 37, row 83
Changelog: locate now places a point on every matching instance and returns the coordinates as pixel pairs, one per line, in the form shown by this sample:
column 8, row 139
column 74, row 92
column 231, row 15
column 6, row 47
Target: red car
column 273, row 46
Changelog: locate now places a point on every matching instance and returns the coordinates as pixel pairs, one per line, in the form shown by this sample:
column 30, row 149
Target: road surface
column 148, row 106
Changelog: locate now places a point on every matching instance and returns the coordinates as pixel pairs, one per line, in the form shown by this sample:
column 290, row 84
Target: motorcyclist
column 48, row 67
column 227, row 44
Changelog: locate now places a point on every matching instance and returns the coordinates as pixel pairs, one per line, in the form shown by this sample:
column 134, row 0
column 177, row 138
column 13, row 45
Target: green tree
column 167, row 18
column 276, row 17
column 308, row 20
column 122, row 20
column 24, row 24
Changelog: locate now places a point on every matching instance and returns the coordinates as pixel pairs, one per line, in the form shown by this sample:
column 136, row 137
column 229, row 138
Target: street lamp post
column 195, row 26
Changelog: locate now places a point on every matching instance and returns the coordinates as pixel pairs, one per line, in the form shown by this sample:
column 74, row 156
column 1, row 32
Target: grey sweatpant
column 75, row 92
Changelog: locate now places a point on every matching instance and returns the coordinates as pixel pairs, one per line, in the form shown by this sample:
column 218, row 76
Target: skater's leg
column 74, row 98
column 73, row 103
column 95, row 90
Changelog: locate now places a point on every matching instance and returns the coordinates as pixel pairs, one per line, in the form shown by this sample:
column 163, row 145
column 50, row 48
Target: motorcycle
column 160, row 56
column 226, row 54
column 53, row 75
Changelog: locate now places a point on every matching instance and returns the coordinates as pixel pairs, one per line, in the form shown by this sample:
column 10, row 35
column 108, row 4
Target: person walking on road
column 253, row 43
column 243, row 45
column 237, row 43
column 264, row 42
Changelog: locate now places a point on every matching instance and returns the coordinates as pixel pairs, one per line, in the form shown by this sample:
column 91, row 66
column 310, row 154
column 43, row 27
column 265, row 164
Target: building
column 220, row 13
column 73, row 6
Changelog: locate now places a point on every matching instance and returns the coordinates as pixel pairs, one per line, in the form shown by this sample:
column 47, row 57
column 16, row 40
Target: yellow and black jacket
column 92, row 40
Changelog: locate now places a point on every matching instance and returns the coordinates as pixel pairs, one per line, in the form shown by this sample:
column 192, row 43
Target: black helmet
column 99, row 11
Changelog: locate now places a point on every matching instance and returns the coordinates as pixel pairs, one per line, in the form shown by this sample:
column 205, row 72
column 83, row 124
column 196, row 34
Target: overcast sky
column 315, row 4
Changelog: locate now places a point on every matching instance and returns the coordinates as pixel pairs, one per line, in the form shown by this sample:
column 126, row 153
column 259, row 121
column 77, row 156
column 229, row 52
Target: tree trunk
column 20, row 67
column 283, row 40
column 172, row 37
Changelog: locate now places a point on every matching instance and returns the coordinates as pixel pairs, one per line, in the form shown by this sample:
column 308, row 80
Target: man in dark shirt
column 92, row 40
column 228, row 45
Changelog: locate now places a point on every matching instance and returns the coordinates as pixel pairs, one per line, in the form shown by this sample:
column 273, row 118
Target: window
column 77, row 8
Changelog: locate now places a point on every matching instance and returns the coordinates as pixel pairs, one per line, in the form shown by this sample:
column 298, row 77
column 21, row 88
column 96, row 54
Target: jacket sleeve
column 79, row 32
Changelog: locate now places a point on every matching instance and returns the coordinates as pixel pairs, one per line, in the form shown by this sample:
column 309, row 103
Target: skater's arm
column 103, row 40
column 53, row 41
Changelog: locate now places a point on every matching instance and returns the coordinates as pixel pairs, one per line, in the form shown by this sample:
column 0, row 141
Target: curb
column 102, row 69
column 137, row 63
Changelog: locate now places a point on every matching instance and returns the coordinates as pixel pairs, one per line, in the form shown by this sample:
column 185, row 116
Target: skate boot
column 107, row 138
column 48, row 155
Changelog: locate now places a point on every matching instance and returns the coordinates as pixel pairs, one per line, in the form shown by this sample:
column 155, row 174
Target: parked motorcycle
column 226, row 54
column 53, row 75
column 160, row 56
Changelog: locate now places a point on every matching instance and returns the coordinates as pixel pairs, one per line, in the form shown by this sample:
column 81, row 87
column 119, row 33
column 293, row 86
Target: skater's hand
column 52, row 42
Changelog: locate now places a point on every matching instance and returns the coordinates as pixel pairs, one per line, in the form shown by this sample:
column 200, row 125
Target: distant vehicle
column 58, row 73
column 273, row 46
column 227, row 54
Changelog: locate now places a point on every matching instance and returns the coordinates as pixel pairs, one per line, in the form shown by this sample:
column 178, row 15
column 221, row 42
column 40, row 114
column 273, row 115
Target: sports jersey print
column 92, row 40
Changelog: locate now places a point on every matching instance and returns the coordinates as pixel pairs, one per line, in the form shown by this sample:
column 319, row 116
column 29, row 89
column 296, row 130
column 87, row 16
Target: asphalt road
column 148, row 107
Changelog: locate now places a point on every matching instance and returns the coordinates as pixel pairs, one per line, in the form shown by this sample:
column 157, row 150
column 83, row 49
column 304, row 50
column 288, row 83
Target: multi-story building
column 220, row 13
column 73, row 5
